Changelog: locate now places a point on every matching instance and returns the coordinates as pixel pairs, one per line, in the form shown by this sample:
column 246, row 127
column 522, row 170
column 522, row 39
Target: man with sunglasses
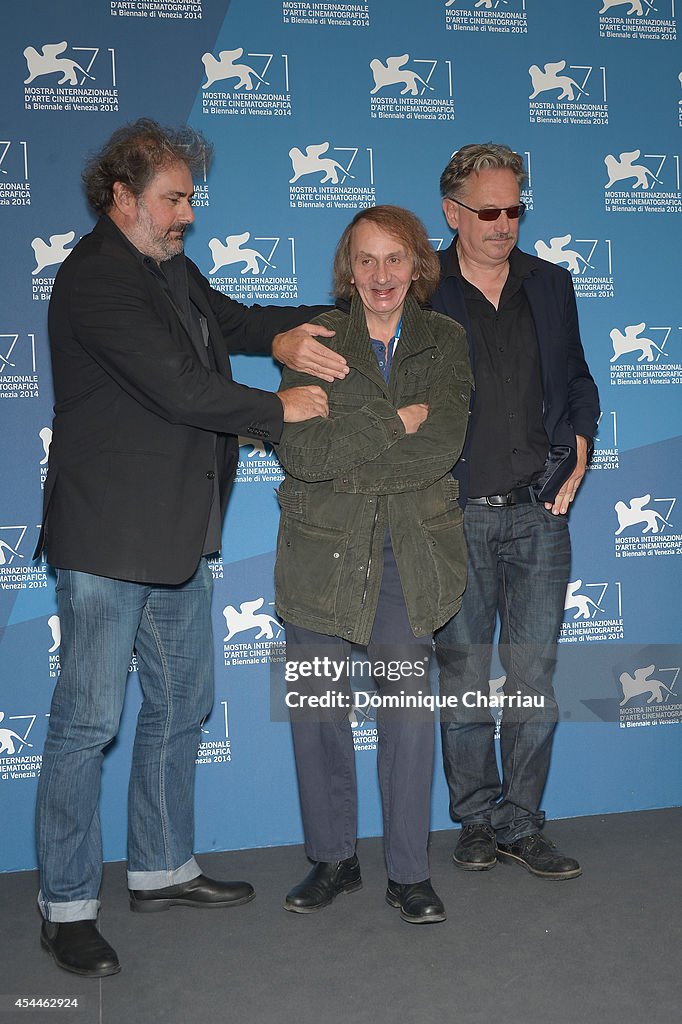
column 532, row 422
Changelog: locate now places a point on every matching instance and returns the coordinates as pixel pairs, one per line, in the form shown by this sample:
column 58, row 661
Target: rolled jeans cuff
column 140, row 880
column 76, row 910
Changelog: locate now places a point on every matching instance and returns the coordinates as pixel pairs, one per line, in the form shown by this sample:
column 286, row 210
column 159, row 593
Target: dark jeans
column 519, row 564
column 325, row 756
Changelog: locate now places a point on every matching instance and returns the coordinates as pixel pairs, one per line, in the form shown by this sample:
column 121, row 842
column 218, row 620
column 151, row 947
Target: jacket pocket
column 445, row 539
column 309, row 570
column 417, row 376
column 290, row 499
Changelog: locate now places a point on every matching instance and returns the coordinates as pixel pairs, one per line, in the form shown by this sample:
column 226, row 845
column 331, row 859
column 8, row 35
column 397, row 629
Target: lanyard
column 396, row 336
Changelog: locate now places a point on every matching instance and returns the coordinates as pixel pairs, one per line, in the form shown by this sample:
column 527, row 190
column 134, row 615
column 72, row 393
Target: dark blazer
column 139, row 421
column 571, row 400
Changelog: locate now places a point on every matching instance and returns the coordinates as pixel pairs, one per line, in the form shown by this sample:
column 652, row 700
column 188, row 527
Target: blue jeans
column 102, row 622
column 519, row 565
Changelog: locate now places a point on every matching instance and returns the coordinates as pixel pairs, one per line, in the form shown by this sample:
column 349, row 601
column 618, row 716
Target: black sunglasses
column 491, row 212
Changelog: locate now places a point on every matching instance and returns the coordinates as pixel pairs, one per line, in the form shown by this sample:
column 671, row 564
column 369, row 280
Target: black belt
column 517, row 496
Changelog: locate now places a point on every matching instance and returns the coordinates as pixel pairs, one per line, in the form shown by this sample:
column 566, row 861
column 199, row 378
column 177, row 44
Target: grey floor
column 605, row 947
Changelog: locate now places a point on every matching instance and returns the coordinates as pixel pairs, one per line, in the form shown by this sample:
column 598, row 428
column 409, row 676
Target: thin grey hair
column 477, row 157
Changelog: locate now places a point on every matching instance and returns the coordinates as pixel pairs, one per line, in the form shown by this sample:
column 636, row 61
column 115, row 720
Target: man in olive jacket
column 371, row 551
column 142, row 459
column 356, row 474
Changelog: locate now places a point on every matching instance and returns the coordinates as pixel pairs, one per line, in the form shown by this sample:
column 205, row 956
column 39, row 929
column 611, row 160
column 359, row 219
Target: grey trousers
column 323, row 741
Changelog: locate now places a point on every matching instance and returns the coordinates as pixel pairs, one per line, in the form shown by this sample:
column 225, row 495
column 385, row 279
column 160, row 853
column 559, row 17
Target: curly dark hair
column 135, row 153
column 402, row 224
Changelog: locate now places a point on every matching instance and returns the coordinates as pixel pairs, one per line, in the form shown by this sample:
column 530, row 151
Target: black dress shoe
column 476, row 849
column 539, row 856
column 319, row 887
column 198, row 892
column 78, row 947
column 417, row 902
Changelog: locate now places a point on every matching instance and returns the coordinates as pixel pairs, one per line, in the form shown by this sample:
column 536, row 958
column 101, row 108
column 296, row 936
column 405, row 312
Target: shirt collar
column 521, row 265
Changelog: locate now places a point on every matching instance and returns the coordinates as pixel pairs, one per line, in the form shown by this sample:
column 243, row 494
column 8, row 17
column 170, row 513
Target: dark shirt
column 508, row 441
column 175, row 273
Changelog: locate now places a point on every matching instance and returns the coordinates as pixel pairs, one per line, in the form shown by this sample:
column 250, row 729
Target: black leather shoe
column 539, row 856
column 198, row 892
column 476, row 849
column 319, row 887
column 417, row 902
column 78, row 947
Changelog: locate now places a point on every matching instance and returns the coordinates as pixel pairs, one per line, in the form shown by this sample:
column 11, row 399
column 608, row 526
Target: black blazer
column 130, row 480
column 571, row 400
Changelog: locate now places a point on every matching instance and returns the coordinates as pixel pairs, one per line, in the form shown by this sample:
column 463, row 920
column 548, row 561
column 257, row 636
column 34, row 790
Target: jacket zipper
column 369, row 559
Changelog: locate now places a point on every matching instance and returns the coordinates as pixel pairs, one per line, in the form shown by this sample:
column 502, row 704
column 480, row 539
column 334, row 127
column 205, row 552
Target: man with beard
column 534, row 414
column 143, row 455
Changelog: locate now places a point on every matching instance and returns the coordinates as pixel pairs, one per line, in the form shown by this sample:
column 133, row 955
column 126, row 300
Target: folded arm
column 323, row 449
column 420, row 459
column 368, row 449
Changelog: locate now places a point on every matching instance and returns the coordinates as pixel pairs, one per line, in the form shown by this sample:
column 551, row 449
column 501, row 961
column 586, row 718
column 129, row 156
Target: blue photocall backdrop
column 317, row 110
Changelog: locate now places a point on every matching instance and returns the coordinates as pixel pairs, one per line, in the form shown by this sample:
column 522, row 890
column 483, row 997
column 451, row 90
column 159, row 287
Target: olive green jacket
column 354, row 475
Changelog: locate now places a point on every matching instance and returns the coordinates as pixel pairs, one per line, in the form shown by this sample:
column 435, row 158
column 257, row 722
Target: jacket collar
column 414, row 337
column 106, row 227
column 520, row 262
